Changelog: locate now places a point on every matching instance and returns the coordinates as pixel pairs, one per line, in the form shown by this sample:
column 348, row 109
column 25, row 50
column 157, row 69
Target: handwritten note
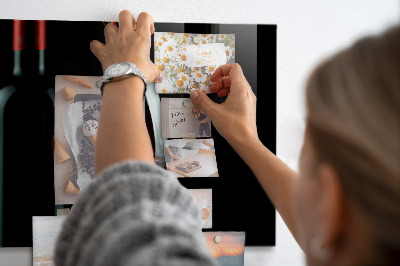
column 177, row 118
column 210, row 54
column 180, row 121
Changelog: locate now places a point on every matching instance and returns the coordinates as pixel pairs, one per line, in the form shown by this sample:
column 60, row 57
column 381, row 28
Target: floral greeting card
column 188, row 60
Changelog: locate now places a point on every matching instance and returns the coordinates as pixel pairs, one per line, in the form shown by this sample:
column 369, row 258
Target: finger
column 225, row 82
column 201, row 100
column 145, row 23
column 110, row 31
column 126, row 22
column 223, row 92
column 96, row 47
column 227, row 70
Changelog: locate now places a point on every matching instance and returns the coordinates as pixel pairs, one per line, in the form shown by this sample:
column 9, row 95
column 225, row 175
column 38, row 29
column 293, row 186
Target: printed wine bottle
column 26, row 138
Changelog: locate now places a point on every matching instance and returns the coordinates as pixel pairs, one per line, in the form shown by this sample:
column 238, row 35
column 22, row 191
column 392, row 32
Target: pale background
column 307, row 32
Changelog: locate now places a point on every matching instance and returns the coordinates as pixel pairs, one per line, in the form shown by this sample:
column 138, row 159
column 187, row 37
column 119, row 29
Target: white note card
column 210, row 54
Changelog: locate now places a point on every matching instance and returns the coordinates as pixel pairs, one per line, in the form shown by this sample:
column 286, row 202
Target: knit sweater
column 134, row 213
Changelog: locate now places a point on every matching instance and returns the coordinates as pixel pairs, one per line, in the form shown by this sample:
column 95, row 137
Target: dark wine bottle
column 26, row 138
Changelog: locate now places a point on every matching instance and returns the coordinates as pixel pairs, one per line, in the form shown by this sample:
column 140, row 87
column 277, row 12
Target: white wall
column 307, row 32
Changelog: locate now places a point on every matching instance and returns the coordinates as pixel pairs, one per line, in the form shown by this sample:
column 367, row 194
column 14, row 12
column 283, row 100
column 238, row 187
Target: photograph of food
column 77, row 112
column 191, row 157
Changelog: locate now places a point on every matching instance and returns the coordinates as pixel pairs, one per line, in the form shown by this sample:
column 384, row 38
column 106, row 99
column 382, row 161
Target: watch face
column 117, row 69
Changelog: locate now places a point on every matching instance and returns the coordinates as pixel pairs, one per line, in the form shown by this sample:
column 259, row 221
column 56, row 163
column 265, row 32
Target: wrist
column 242, row 141
column 129, row 86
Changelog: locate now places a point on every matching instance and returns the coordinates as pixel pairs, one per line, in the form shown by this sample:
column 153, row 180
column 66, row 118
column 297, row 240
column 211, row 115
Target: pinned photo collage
column 187, row 62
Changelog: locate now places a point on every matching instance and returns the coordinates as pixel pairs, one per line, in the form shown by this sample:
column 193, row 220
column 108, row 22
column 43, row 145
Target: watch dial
column 118, row 69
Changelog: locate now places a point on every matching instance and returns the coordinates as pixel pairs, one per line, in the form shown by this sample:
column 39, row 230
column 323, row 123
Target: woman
column 204, row 127
column 343, row 208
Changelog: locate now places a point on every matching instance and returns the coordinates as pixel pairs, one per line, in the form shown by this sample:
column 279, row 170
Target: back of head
column 353, row 104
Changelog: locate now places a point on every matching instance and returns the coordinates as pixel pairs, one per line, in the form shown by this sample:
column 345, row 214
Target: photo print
column 204, row 199
column 188, row 60
column 191, row 157
column 226, row 247
column 180, row 118
column 45, row 231
column 77, row 112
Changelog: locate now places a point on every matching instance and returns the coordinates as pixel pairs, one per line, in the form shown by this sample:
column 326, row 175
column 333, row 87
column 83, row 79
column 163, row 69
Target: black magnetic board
column 239, row 203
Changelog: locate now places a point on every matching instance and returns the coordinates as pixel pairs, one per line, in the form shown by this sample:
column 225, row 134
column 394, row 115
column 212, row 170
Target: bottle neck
column 40, row 44
column 19, row 43
column 29, row 60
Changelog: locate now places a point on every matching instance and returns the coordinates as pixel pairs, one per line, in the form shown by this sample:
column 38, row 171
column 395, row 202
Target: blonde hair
column 353, row 120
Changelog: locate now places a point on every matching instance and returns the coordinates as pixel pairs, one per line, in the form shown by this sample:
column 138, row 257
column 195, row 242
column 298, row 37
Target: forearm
column 169, row 151
column 205, row 142
column 275, row 177
column 122, row 130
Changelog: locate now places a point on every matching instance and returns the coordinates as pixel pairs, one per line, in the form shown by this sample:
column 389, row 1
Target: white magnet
column 217, row 239
column 196, row 39
column 186, row 102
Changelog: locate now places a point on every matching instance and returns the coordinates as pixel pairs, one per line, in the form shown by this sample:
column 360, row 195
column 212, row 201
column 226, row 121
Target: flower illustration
column 199, row 76
column 228, row 51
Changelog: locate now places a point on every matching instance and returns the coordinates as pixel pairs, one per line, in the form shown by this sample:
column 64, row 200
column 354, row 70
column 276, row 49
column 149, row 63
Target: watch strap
column 135, row 71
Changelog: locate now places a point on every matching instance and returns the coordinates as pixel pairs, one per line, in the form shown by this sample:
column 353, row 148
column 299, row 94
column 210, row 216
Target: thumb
column 202, row 101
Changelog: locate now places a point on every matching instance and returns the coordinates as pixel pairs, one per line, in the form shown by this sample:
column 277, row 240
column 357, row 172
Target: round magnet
column 196, row 39
column 186, row 102
column 217, row 239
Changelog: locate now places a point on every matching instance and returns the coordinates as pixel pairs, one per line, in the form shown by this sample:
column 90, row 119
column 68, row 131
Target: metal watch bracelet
column 135, row 72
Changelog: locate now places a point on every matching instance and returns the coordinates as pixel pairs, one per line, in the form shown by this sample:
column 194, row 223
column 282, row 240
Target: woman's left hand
column 130, row 42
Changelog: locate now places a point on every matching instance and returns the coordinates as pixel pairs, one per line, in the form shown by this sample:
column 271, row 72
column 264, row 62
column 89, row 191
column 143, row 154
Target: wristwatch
column 120, row 71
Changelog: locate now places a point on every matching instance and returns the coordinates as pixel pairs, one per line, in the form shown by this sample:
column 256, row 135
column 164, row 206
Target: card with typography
column 188, row 60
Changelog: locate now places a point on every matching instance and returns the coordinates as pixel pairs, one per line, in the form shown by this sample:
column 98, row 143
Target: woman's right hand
column 176, row 157
column 235, row 119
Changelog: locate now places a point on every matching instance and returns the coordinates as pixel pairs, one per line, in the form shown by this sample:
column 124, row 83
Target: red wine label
column 18, row 35
column 40, row 38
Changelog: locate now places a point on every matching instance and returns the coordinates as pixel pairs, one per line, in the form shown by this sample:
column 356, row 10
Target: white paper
column 210, row 54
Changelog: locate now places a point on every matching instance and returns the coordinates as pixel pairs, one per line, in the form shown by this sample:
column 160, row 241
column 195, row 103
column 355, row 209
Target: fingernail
column 160, row 78
column 194, row 94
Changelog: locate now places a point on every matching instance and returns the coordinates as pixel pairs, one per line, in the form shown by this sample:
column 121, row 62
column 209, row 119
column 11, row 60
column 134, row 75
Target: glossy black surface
column 239, row 203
